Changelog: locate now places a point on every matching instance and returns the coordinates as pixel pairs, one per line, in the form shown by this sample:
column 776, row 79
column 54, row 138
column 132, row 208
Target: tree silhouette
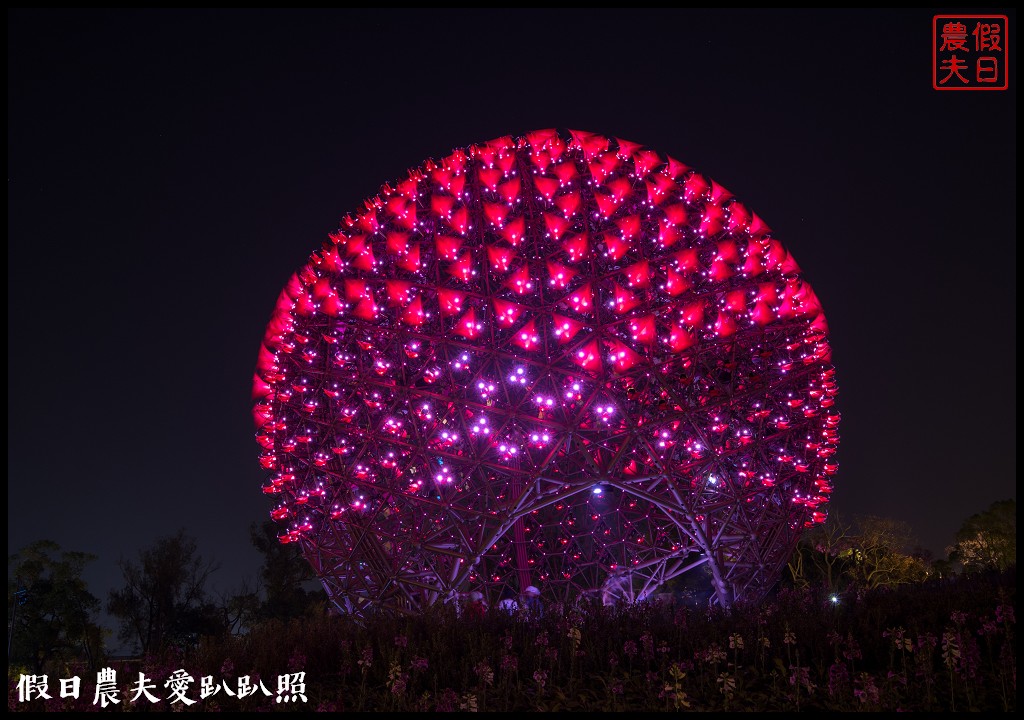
column 988, row 540
column 51, row 613
column 283, row 575
column 868, row 553
column 878, row 550
column 163, row 601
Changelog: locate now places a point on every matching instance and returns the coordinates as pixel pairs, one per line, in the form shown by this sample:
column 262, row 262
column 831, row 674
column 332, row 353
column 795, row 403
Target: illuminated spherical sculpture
column 555, row 360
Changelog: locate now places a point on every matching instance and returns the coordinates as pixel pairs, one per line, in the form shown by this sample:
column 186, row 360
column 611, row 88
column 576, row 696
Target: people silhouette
column 530, row 602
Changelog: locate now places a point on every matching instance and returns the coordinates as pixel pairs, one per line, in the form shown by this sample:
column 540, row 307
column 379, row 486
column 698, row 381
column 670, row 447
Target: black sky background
column 168, row 171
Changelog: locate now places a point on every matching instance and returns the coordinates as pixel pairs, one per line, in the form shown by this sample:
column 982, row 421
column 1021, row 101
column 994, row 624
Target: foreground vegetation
column 939, row 646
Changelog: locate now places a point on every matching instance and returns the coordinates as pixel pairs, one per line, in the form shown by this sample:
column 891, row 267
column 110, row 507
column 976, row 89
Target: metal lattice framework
column 548, row 360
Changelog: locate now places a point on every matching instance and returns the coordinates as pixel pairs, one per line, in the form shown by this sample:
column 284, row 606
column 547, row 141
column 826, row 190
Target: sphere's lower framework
column 557, row 360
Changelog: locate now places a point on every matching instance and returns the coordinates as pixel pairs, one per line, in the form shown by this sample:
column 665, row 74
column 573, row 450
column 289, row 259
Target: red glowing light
column 539, row 360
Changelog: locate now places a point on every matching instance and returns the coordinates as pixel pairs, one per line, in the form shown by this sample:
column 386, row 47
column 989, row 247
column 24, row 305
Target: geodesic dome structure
column 559, row 360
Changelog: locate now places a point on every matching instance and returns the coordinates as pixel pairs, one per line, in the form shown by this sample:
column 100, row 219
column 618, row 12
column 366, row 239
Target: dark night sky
column 168, row 171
